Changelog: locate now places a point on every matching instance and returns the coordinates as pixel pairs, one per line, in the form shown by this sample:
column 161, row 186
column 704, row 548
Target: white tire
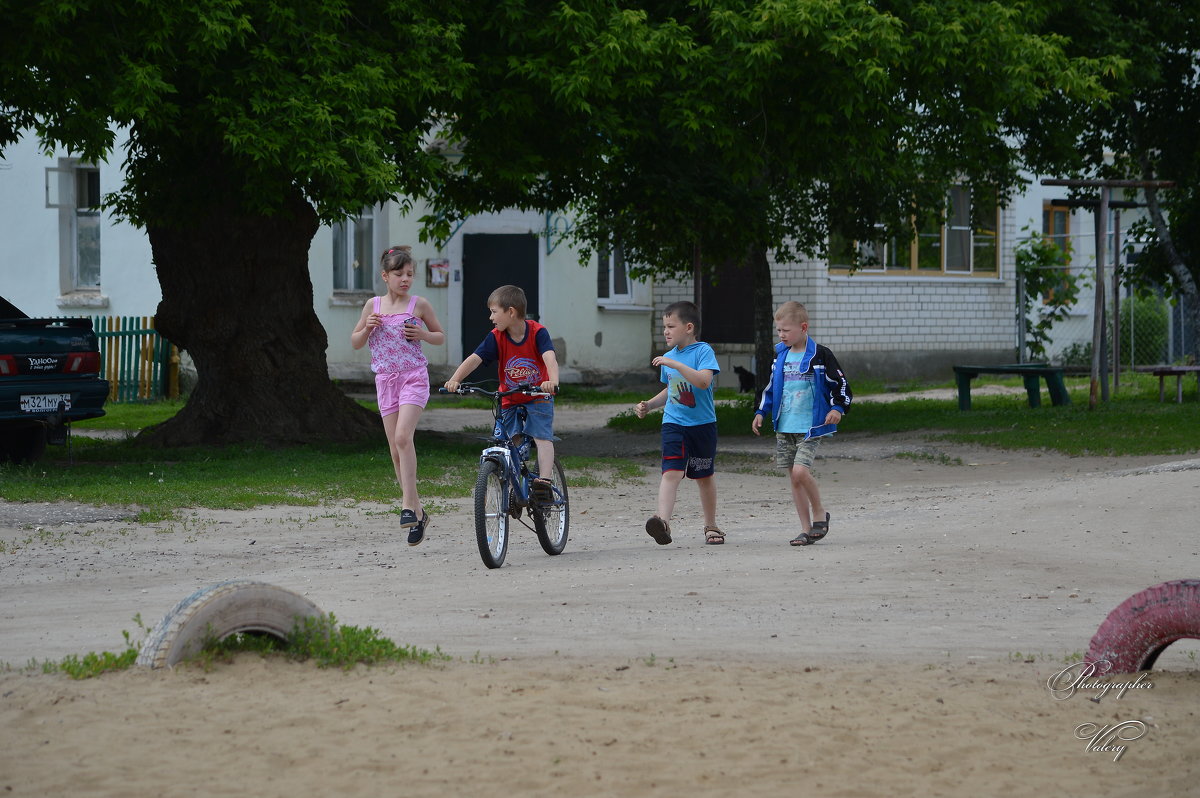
column 220, row 610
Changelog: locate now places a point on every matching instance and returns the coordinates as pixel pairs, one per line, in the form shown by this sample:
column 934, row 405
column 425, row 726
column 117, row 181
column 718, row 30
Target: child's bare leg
column 668, row 489
column 399, row 427
column 545, row 453
column 807, row 497
column 708, row 499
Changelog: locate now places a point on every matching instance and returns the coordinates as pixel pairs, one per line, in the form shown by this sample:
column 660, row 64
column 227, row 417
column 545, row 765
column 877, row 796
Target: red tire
column 1137, row 631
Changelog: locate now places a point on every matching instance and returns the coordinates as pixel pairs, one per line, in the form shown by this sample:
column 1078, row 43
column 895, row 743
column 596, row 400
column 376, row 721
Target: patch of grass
column 589, row 472
column 321, row 639
column 940, row 458
column 1133, row 422
column 328, row 643
column 161, row 481
column 92, row 664
column 733, row 418
column 132, row 416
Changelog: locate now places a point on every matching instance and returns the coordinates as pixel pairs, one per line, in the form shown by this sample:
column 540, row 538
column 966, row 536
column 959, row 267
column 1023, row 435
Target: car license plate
column 44, row 402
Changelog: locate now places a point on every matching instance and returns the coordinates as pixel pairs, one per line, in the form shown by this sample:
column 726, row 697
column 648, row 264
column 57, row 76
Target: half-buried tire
column 1142, row 626
column 220, row 610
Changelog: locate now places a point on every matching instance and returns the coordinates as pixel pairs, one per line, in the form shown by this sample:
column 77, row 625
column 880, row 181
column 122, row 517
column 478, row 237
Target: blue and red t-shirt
column 518, row 363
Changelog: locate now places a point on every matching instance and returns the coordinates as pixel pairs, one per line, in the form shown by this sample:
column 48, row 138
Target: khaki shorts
column 792, row 450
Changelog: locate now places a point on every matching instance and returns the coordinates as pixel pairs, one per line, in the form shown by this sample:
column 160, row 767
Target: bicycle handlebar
column 529, row 390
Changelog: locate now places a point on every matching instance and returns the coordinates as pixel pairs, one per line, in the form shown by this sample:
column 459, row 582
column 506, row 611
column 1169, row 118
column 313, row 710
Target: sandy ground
column 907, row 654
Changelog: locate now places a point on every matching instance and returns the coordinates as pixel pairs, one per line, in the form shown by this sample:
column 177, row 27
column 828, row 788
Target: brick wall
column 887, row 326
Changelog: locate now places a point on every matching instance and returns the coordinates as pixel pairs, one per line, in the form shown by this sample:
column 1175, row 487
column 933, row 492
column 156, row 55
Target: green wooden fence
column 138, row 362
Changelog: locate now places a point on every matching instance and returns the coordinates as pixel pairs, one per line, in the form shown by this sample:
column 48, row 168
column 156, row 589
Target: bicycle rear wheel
column 491, row 522
column 552, row 521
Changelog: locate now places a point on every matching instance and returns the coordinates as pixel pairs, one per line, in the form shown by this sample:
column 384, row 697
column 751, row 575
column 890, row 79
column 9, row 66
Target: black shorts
column 691, row 450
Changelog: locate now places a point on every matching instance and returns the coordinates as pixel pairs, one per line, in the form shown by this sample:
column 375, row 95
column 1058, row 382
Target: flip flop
column 713, row 536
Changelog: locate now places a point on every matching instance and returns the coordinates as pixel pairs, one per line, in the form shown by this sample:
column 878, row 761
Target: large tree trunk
column 238, row 298
column 764, row 316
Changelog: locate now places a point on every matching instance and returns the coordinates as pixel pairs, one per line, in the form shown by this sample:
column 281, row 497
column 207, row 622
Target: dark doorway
column 727, row 305
column 490, row 261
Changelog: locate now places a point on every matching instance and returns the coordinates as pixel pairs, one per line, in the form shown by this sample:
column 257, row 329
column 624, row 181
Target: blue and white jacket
column 831, row 389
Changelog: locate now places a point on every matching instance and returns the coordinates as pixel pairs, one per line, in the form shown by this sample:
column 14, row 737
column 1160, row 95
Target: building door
column 490, row 261
column 727, row 307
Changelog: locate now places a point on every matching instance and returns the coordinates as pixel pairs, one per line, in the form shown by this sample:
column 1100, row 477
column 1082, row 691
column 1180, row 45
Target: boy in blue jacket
column 806, row 396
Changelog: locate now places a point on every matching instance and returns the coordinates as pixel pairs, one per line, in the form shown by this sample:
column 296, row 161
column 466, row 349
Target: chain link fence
column 1151, row 329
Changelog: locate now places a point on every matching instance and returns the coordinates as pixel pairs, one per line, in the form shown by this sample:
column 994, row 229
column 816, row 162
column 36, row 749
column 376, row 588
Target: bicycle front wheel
column 551, row 521
column 491, row 522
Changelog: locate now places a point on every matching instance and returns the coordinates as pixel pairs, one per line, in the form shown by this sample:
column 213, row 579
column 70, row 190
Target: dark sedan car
column 49, row 376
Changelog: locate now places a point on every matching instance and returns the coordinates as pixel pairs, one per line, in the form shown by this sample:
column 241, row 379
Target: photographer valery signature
column 1110, row 739
column 1066, row 682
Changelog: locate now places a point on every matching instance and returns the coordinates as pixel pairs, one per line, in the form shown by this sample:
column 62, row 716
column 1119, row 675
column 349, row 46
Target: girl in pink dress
column 394, row 326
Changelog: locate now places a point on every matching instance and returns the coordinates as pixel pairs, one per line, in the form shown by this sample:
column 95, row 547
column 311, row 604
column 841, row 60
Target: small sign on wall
column 437, row 272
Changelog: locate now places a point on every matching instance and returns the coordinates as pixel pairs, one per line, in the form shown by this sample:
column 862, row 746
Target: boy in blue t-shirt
column 806, row 397
column 689, row 425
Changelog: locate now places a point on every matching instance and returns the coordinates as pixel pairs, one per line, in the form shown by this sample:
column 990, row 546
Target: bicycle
column 503, row 489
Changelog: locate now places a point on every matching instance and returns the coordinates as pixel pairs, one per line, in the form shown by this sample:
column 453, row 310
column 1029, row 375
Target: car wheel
column 23, row 444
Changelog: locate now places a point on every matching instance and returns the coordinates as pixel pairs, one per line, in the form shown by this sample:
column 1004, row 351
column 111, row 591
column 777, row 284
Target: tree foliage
column 728, row 125
column 1148, row 130
column 702, row 132
column 330, row 98
column 1049, row 290
column 245, row 124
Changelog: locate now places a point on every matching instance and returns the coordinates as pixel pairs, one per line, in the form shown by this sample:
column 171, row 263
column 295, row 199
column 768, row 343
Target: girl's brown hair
column 396, row 258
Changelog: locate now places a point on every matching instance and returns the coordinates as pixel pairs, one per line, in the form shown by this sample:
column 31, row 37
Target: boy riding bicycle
column 524, row 355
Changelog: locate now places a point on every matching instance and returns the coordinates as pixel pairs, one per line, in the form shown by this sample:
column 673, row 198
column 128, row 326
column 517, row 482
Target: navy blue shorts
column 689, row 449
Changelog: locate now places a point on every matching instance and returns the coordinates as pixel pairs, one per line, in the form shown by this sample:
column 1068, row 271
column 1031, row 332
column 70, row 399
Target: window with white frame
column 353, row 252
column 73, row 188
column 614, row 287
column 965, row 243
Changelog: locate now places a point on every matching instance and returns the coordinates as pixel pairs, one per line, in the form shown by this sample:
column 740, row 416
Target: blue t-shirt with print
column 687, row 405
column 796, row 403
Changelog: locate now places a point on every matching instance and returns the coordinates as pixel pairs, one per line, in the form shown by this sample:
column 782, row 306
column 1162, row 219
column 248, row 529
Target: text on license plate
column 44, row 402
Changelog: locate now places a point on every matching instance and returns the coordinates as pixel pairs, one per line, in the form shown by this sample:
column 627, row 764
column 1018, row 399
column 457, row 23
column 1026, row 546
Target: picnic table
column 1178, row 372
column 1031, row 373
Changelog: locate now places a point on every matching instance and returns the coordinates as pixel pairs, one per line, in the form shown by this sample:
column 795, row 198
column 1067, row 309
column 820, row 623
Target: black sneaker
column 408, row 519
column 417, row 533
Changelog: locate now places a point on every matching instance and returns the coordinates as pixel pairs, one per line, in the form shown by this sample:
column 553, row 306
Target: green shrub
column 1144, row 329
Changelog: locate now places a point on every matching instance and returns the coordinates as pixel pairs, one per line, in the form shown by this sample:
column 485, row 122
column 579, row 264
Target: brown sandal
column 819, row 529
column 658, row 529
column 713, row 536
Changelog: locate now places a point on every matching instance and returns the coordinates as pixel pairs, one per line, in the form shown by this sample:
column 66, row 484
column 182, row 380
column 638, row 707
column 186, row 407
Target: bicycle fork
column 502, row 457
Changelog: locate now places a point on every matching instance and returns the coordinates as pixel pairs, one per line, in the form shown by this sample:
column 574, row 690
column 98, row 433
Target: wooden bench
column 1178, row 372
column 1031, row 373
